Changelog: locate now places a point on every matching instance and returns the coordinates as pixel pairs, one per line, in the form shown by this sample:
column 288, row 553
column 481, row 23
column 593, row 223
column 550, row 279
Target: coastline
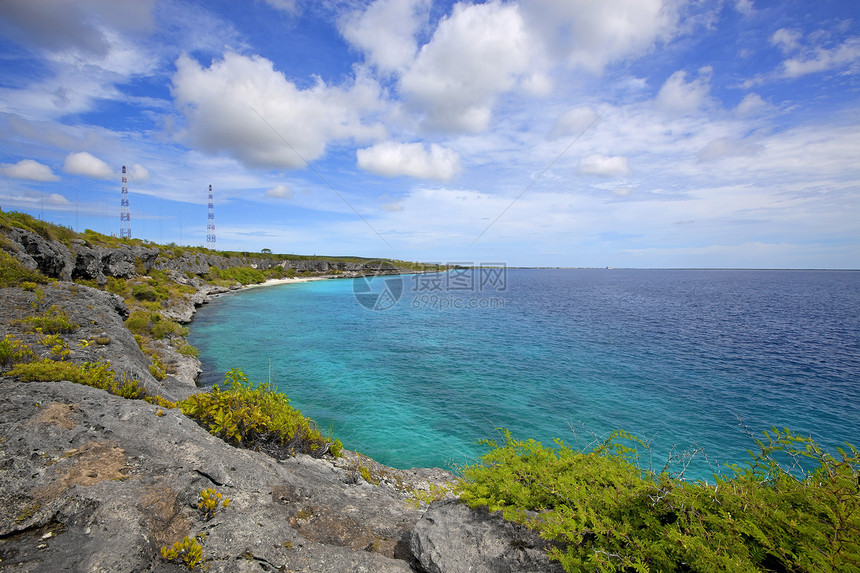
column 287, row 280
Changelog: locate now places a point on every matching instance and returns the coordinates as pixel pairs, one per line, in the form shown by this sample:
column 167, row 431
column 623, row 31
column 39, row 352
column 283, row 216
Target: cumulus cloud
column 679, row 97
column 787, row 40
column 221, row 106
column 57, row 200
column 280, row 191
column 87, row 165
column 385, row 31
column 603, row 166
column 590, row 35
column 752, row 103
column 28, row 169
column 476, row 53
column 138, row 173
column 391, row 159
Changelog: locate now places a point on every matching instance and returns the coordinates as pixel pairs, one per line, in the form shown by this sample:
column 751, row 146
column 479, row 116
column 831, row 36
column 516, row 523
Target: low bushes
column 255, row 417
column 96, row 374
column 242, row 275
column 13, row 272
column 52, row 321
column 793, row 507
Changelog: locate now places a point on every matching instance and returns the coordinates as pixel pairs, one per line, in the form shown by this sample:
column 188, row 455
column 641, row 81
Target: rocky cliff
column 90, row 481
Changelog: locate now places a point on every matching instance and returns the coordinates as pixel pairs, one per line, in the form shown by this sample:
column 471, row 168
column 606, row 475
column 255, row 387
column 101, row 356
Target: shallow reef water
column 420, row 369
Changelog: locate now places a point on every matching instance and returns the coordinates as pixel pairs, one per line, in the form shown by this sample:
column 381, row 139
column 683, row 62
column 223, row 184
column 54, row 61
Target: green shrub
column 13, row 272
column 157, row 371
column 96, row 374
column 144, row 292
column 13, row 351
column 167, row 328
column 603, row 513
column 53, row 321
column 255, row 417
column 42, row 228
column 116, row 286
column 210, row 499
column 188, row 350
column 186, row 552
column 139, row 322
column 242, row 275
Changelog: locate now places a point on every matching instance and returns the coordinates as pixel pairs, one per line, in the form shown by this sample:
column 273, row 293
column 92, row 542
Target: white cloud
column 385, row 31
column 745, row 7
column 573, row 122
column 679, row 97
column 476, row 53
column 603, row 166
column 812, row 56
column 28, row 169
column 288, row 6
column 822, row 59
column 57, row 200
column 138, row 173
column 752, row 103
column 280, row 191
column 590, row 35
column 221, row 106
column 787, row 40
column 392, row 207
column 80, row 26
column 726, row 147
column 391, row 159
column 83, row 163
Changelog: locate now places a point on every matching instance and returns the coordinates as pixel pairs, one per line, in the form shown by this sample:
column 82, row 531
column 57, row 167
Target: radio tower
column 210, row 227
column 124, row 215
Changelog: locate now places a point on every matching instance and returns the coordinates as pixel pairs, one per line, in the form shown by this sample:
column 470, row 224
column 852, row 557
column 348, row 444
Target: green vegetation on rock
column 257, row 418
column 13, row 272
column 52, row 321
column 793, row 507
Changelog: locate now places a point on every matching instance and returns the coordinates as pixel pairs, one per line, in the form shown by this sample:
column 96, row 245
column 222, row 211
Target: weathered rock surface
column 81, row 261
column 95, row 312
column 452, row 537
column 93, row 482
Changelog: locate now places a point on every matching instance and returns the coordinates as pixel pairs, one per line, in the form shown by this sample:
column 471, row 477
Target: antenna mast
column 210, row 227
column 124, row 215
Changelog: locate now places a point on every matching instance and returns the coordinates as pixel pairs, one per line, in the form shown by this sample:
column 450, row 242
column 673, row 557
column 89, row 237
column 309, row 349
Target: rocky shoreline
column 90, row 481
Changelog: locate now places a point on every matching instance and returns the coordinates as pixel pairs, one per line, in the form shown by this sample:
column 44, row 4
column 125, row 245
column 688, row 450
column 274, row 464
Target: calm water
column 676, row 357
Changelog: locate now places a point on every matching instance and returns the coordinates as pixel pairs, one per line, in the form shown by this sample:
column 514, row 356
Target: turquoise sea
column 676, row 357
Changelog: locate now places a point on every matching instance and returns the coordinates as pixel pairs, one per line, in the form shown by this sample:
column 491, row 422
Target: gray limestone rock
column 452, row 538
column 93, row 482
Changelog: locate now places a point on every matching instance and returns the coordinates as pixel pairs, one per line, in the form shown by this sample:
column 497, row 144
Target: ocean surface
column 415, row 370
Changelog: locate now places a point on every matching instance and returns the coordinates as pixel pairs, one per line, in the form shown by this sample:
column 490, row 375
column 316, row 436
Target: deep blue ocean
column 676, row 357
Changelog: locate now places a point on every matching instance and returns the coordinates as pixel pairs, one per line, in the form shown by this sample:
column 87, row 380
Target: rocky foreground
column 90, row 481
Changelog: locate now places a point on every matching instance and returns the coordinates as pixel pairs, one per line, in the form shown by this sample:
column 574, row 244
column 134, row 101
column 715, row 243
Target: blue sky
column 627, row 133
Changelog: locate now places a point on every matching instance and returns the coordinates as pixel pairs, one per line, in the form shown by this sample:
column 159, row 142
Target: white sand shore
column 284, row 281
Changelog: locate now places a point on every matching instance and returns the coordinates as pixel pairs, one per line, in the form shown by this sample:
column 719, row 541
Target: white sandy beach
column 287, row 280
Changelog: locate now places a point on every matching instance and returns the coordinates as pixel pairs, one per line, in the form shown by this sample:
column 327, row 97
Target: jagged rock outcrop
column 452, row 537
column 96, row 313
column 81, row 261
column 93, row 482
column 49, row 257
